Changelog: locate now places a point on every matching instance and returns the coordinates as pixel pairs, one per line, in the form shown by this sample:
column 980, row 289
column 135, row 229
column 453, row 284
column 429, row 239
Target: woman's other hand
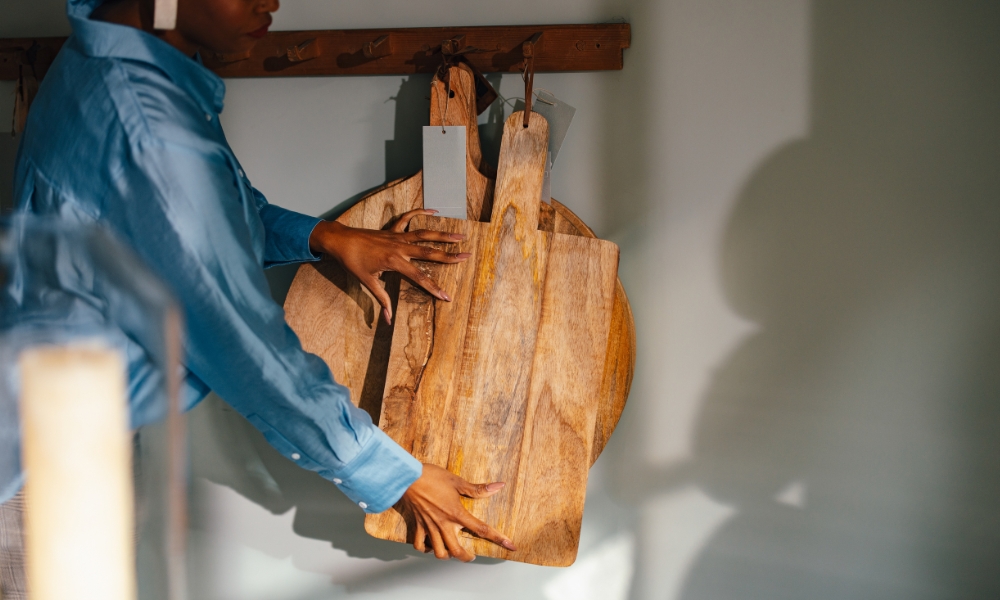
column 367, row 253
column 435, row 502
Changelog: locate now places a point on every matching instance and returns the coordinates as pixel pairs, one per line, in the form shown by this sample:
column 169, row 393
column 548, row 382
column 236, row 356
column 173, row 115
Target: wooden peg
column 532, row 45
column 379, row 48
column 232, row 58
column 454, row 45
column 307, row 50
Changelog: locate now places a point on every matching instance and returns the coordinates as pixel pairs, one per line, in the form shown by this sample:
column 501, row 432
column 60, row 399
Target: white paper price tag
column 444, row 170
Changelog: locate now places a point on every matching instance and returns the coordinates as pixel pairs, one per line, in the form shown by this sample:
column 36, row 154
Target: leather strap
column 485, row 94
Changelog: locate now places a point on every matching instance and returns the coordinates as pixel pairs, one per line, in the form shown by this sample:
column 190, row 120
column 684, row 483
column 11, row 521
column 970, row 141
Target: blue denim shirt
column 125, row 131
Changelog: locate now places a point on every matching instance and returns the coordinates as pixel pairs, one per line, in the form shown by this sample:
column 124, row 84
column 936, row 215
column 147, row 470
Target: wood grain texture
column 562, row 409
column 505, row 389
column 597, row 47
column 336, row 318
column 616, row 383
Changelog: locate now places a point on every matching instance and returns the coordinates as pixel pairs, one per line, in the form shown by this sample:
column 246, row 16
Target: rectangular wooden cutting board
column 501, row 384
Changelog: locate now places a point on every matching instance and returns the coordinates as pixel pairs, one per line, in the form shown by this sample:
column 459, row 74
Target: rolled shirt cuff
column 379, row 475
column 287, row 236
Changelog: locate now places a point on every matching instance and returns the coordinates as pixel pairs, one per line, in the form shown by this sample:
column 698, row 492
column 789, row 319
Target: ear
column 165, row 14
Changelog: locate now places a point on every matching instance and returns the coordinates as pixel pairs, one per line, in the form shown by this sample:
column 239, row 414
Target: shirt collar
column 100, row 39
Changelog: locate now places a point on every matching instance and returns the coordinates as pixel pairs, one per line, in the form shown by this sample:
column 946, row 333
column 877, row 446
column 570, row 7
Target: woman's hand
column 434, row 500
column 367, row 253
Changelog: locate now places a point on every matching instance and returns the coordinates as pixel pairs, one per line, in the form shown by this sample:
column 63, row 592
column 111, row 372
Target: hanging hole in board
column 451, row 94
column 598, row 44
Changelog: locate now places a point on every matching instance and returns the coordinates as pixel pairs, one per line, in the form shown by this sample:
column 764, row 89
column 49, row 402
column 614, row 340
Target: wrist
column 323, row 238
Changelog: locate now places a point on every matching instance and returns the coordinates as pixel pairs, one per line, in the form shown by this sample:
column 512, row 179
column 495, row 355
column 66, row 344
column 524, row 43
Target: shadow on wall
column 857, row 435
column 230, row 452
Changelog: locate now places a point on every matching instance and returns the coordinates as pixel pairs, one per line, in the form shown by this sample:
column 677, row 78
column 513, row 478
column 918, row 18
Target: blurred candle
column 79, row 514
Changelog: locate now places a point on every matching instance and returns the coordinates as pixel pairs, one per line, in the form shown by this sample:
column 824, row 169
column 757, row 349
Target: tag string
column 447, row 98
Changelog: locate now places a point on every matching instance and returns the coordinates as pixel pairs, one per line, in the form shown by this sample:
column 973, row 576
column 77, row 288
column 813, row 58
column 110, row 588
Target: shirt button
column 208, row 117
column 241, row 172
column 296, row 456
column 362, row 505
column 338, row 481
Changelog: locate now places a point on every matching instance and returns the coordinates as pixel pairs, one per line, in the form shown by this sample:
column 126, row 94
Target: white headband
column 165, row 14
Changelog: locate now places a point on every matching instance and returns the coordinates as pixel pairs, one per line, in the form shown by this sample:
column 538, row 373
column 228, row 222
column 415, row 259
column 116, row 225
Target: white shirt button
column 241, row 172
column 296, row 456
column 362, row 505
column 208, row 117
column 338, row 481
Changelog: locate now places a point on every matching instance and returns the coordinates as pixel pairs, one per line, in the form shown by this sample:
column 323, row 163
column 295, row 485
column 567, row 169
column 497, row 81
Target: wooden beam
column 494, row 49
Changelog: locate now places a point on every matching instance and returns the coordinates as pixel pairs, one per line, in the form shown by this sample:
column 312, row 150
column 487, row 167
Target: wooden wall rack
column 499, row 49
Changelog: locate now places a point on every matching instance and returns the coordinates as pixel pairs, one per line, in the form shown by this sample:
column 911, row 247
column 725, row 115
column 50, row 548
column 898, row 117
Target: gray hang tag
column 559, row 115
column 444, row 170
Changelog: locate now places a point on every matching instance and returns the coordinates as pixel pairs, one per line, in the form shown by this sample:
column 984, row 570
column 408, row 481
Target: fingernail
column 509, row 545
column 492, row 487
column 445, row 296
column 463, row 255
column 388, row 316
column 457, row 236
column 431, row 211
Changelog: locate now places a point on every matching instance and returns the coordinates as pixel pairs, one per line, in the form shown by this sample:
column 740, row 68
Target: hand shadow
column 229, row 451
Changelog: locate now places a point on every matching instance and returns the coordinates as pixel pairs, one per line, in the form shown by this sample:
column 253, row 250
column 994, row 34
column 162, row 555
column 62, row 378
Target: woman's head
column 216, row 26
column 224, row 26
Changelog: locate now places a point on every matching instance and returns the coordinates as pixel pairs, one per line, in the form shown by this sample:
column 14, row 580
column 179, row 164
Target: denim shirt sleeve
column 194, row 225
column 287, row 233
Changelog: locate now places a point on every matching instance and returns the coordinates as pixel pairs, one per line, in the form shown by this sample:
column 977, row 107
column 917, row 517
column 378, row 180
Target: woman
column 125, row 130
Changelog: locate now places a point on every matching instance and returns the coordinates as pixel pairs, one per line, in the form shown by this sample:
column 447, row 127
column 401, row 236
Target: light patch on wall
column 605, row 573
column 676, row 528
column 794, row 495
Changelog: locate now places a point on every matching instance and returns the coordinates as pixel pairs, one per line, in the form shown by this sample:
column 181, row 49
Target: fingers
column 455, row 547
column 486, row 532
column 429, row 235
column 404, row 220
column 377, row 290
column 420, row 536
column 478, row 490
column 435, row 255
column 440, row 549
column 411, row 271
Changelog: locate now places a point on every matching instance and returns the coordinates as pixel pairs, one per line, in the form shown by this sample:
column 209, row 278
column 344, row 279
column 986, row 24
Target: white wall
column 808, row 203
